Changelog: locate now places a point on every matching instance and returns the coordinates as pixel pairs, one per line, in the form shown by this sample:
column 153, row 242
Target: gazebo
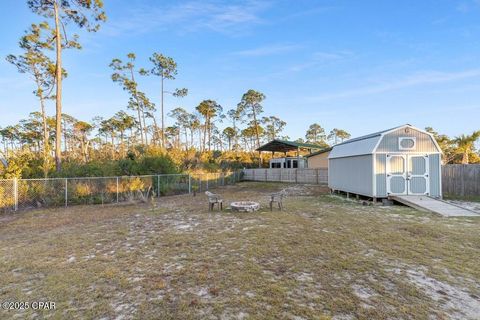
column 286, row 146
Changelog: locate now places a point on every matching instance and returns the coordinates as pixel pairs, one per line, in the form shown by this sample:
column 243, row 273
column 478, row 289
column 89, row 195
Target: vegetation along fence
column 20, row 194
column 310, row 176
column 461, row 180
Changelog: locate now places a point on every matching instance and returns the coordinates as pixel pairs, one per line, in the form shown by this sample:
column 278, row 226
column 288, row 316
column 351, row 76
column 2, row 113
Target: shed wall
column 424, row 143
column 381, row 174
column 351, row 174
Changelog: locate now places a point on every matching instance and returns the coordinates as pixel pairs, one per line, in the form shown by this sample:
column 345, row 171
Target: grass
column 323, row 257
column 465, row 198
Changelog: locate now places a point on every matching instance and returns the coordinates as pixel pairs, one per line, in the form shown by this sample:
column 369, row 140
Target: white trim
column 400, row 139
column 410, row 153
column 440, row 191
column 425, row 175
column 378, row 143
column 388, row 175
column 374, row 174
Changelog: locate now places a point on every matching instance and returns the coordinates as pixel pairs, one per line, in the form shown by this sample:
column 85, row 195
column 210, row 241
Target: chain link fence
column 23, row 194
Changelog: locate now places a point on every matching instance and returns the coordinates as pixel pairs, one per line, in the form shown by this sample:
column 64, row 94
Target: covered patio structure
column 286, row 146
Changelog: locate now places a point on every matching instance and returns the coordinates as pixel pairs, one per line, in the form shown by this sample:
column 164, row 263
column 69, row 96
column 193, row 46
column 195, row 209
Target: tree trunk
column 256, row 127
column 185, row 131
column 64, row 131
column 200, row 142
column 161, row 108
column 465, row 158
column 113, row 146
column 122, row 145
column 155, row 136
column 205, row 127
column 209, row 129
column 145, row 128
column 191, row 138
column 46, row 147
column 58, row 92
column 138, row 106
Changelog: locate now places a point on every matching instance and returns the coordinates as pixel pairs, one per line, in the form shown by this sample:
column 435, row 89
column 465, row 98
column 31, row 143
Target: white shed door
column 407, row 174
column 418, row 170
column 396, row 174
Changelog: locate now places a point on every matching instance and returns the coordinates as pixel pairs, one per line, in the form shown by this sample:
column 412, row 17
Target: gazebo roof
column 285, row 146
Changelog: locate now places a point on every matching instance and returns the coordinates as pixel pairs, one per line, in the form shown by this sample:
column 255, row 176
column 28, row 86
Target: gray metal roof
column 371, row 135
column 285, row 146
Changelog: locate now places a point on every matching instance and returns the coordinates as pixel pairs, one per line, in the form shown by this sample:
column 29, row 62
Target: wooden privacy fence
column 461, row 180
column 310, row 176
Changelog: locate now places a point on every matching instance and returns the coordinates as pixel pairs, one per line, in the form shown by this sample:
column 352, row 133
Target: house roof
column 318, row 152
column 285, row 146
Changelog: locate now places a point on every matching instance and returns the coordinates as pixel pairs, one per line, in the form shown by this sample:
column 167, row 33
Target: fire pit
column 245, row 206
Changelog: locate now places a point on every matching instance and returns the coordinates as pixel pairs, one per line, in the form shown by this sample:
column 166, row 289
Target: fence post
column 15, row 193
column 66, row 192
column 296, row 175
column 117, row 189
column 208, row 176
column 158, row 186
column 189, row 184
column 317, row 171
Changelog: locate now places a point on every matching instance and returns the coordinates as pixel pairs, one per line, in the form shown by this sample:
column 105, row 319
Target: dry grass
column 323, row 257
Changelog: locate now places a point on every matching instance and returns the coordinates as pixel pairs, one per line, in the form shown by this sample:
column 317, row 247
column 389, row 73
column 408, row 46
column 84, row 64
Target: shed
column 319, row 159
column 400, row 161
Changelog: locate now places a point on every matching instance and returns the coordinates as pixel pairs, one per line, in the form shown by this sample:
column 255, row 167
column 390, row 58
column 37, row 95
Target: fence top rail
column 106, row 177
column 120, row 177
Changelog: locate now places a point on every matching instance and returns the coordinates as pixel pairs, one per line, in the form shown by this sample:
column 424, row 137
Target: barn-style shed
column 400, row 161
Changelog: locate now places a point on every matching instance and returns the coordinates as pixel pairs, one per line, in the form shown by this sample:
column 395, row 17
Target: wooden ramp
column 425, row 203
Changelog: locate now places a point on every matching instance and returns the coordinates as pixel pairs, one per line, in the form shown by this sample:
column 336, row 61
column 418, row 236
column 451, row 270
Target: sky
column 362, row 66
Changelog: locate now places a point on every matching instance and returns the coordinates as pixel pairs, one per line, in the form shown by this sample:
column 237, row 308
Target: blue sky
column 362, row 66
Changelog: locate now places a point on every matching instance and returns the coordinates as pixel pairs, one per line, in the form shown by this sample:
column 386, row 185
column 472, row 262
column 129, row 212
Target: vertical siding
column 461, row 180
column 424, row 142
column 351, row 174
column 435, row 185
column 381, row 175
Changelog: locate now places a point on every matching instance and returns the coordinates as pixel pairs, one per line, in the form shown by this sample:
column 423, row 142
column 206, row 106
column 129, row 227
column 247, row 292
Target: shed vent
column 406, row 143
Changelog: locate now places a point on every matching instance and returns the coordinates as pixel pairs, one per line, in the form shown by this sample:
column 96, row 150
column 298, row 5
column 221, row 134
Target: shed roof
column 366, row 144
column 372, row 135
column 285, row 146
